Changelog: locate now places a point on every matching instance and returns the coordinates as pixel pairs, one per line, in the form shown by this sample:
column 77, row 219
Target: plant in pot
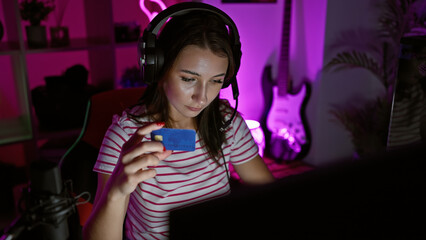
column 59, row 34
column 36, row 11
column 378, row 53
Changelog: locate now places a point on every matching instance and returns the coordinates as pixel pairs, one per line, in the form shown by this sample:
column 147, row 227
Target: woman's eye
column 220, row 81
column 187, row 79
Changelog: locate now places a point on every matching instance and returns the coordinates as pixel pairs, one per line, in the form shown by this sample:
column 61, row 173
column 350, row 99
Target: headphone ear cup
column 154, row 63
column 148, row 57
column 236, row 51
column 159, row 61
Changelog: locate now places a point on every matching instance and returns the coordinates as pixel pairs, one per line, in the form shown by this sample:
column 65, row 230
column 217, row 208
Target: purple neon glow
column 259, row 26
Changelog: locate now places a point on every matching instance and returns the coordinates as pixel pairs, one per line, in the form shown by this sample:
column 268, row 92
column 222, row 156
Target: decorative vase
column 59, row 36
column 36, row 36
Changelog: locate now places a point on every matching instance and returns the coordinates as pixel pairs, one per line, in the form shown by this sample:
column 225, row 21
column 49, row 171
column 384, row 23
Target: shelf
column 9, row 48
column 15, row 129
column 126, row 44
column 75, row 45
column 79, row 44
column 98, row 43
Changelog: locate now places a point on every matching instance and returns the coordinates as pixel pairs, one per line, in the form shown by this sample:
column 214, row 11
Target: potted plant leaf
column 36, row 11
column 368, row 124
column 59, row 34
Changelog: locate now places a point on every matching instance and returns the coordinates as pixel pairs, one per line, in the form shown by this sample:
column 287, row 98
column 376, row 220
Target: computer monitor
column 378, row 198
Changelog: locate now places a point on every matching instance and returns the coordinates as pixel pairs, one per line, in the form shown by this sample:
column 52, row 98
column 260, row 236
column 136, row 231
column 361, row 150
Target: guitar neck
column 283, row 63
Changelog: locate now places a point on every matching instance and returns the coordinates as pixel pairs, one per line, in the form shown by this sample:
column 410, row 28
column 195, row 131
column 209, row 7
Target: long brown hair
column 207, row 31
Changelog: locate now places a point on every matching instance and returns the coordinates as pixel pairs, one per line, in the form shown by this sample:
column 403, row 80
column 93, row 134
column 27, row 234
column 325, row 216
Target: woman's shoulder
column 227, row 112
column 226, row 108
column 132, row 117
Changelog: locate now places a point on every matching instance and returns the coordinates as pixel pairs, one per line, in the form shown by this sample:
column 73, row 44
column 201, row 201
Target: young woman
column 140, row 181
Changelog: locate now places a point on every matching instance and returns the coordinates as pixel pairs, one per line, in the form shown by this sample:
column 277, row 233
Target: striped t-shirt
column 182, row 179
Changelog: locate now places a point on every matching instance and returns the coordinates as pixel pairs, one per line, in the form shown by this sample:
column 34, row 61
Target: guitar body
column 284, row 114
column 284, row 121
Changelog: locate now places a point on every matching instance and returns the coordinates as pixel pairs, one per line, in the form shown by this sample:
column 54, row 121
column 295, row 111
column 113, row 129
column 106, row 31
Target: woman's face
column 193, row 82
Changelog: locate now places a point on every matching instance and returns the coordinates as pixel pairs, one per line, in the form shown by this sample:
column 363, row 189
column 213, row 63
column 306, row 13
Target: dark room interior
column 333, row 93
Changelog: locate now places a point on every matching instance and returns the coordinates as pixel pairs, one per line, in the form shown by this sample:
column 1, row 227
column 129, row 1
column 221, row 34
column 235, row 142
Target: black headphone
column 151, row 56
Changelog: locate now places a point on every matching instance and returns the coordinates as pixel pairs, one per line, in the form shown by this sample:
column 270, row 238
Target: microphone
column 15, row 229
column 48, row 199
column 235, row 94
column 48, row 205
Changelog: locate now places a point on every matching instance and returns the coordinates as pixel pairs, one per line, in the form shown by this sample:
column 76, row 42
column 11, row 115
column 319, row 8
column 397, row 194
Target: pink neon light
column 147, row 12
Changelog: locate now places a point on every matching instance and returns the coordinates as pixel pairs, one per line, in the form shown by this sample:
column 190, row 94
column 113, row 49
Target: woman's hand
column 112, row 196
column 133, row 164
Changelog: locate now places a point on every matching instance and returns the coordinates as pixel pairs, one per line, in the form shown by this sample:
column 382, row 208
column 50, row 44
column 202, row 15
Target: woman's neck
column 184, row 124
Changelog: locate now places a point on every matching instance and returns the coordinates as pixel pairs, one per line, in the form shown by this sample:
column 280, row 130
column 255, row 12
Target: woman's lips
column 194, row 109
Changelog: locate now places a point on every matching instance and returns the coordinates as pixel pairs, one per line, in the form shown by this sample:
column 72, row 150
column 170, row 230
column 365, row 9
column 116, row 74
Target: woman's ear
column 161, row 83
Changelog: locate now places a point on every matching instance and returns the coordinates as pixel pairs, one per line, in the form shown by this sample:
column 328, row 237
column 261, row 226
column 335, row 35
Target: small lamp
column 257, row 133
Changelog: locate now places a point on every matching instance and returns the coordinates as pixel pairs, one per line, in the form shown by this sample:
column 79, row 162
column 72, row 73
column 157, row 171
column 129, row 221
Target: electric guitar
column 284, row 123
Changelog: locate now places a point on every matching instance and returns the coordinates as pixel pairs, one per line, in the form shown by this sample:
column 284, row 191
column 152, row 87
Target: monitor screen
column 379, row 198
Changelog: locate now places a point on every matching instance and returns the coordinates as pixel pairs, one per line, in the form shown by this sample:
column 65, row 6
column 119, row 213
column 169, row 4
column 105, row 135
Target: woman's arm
column 254, row 171
column 112, row 195
column 107, row 217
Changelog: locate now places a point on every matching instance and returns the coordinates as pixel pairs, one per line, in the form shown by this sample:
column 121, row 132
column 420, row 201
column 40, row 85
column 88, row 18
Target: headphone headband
column 179, row 9
column 151, row 57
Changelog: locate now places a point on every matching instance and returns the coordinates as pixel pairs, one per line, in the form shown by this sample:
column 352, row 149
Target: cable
column 46, row 208
column 235, row 94
column 226, row 165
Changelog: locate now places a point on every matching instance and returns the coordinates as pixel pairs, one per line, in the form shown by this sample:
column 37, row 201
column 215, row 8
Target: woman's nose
column 200, row 95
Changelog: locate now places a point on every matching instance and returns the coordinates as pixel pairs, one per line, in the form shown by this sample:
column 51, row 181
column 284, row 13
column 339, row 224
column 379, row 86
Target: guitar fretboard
column 283, row 63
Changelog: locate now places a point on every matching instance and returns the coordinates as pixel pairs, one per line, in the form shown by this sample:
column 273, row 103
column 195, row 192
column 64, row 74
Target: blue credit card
column 175, row 139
